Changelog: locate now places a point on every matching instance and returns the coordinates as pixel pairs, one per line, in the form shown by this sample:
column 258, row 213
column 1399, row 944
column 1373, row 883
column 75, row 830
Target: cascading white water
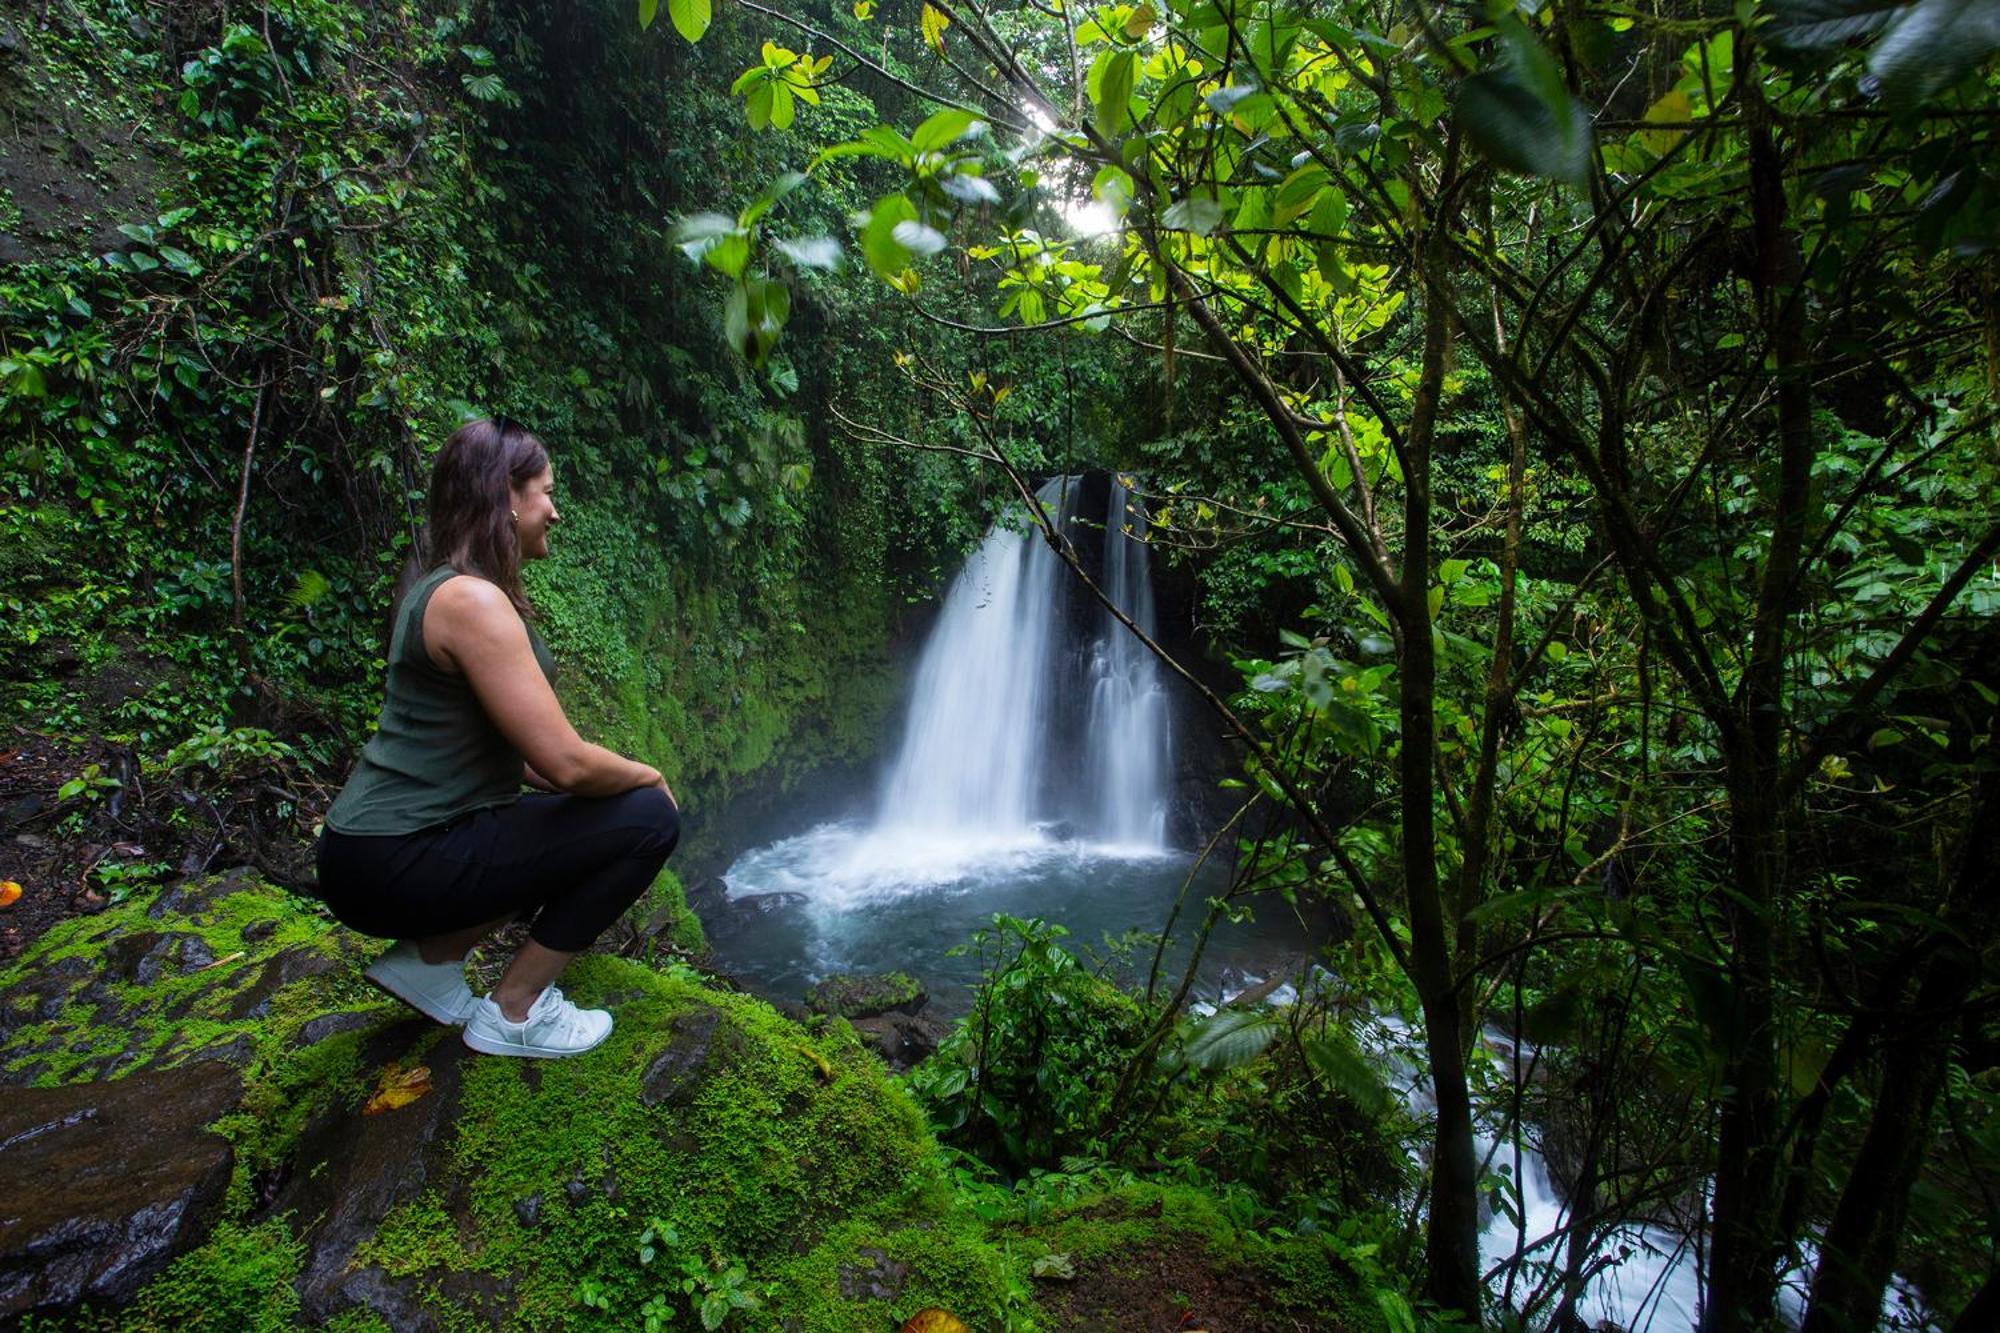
column 982, row 742
column 1128, row 731
column 972, row 750
column 1036, row 738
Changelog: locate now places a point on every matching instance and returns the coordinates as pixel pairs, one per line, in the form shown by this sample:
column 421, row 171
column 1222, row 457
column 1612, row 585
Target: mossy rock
column 509, row 1192
column 1142, row 1255
column 846, row 996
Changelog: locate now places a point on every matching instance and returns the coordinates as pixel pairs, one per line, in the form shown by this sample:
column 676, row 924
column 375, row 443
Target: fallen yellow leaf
column 10, row 893
column 399, row 1087
column 934, row 1320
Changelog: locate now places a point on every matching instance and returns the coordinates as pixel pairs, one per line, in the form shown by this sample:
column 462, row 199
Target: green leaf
column 648, row 11
column 932, row 23
column 944, row 128
column 1931, row 45
column 1231, row 1037
column 887, row 256
column 1520, row 114
column 1111, row 90
column 1113, row 188
column 758, row 104
column 785, row 183
column 1337, row 1059
column 782, row 106
column 1198, row 213
column 1800, row 25
column 691, row 17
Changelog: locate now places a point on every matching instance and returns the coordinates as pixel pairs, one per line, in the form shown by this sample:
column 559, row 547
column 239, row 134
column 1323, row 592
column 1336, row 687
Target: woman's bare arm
column 470, row 627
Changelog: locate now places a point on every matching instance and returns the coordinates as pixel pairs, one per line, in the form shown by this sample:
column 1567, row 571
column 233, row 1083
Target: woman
column 432, row 842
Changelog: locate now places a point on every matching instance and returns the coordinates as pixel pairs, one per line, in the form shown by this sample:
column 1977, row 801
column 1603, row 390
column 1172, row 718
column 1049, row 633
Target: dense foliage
column 1607, row 395
column 1580, row 420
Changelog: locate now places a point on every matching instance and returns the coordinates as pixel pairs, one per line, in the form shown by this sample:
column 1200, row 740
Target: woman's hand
column 661, row 783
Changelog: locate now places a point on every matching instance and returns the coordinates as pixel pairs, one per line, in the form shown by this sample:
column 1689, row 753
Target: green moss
column 953, row 1262
column 666, row 902
column 357, row 1321
column 415, row 1237
column 1304, row 1274
column 239, row 1281
column 186, row 1010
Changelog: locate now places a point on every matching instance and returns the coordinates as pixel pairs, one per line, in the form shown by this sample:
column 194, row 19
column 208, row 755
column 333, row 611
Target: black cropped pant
column 575, row 862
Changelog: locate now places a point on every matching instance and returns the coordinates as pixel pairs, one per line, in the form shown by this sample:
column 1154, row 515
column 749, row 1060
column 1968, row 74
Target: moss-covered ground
column 708, row 1134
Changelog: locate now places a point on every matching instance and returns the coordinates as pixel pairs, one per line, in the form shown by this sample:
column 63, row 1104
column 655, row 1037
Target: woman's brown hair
column 471, row 522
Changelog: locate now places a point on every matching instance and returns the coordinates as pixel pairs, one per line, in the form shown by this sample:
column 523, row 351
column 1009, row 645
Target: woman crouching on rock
column 432, row 841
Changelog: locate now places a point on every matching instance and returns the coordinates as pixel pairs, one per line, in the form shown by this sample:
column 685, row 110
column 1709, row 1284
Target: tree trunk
column 1452, row 1242
column 1860, row 1249
column 1743, row 1268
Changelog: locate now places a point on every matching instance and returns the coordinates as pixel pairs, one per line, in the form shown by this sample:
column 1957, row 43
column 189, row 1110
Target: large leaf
column 821, row 252
column 879, row 246
column 1336, row 1057
column 945, row 127
column 1933, row 44
column 1111, row 90
column 1231, row 1037
column 1198, row 213
column 691, row 17
column 1803, row 24
column 1521, row 115
column 969, row 189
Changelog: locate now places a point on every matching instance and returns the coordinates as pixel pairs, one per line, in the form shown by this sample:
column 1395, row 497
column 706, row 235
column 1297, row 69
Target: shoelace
column 563, row 1017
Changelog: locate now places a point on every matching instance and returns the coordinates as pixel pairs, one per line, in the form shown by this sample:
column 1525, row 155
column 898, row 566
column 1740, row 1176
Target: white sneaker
column 553, row 1027
column 438, row 989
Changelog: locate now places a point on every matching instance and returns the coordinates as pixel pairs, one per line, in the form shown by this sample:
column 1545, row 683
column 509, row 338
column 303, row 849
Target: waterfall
column 991, row 750
column 972, row 750
column 1128, row 704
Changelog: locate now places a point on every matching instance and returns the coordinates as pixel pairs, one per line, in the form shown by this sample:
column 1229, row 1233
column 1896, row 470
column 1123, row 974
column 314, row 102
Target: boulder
column 107, row 1182
column 698, row 1045
column 904, row 1041
column 362, row 1167
column 843, row 995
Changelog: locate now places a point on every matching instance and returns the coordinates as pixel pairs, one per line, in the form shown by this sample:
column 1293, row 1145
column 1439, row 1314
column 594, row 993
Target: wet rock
column 352, row 1170
column 45, row 995
column 126, row 955
column 876, row 1277
column 576, row 1191
column 902, row 1040
column 107, row 1182
column 290, row 965
column 710, row 898
column 195, row 954
column 700, row 1044
column 764, row 904
column 317, row 1030
column 529, row 1210
column 845, row 995
column 239, row 1050
column 191, row 897
column 260, row 930
column 19, row 812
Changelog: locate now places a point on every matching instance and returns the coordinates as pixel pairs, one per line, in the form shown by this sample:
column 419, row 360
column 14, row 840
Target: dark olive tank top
column 435, row 754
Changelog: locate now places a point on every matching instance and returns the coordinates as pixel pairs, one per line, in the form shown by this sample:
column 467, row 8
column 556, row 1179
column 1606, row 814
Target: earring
column 514, row 514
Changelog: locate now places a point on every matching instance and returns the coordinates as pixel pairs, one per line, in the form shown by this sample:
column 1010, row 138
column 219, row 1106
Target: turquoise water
column 852, row 898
